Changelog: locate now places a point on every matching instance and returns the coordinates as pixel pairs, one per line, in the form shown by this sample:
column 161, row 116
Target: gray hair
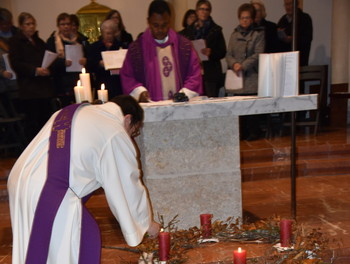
column 109, row 24
column 262, row 6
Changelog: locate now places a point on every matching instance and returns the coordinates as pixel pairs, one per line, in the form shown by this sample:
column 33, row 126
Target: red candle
column 164, row 246
column 206, row 224
column 285, row 232
column 239, row 256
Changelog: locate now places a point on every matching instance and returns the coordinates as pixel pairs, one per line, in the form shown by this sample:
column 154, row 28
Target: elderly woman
column 121, row 34
column 108, row 41
column 35, row 85
column 245, row 44
column 57, row 42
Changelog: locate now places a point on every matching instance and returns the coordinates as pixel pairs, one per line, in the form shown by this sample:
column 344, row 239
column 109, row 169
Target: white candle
column 79, row 93
column 85, row 81
column 102, row 94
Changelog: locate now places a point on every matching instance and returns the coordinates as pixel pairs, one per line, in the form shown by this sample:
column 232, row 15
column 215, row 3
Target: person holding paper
column 64, row 79
column 246, row 42
column 160, row 62
column 107, row 42
column 6, row 77
column 7, row 29
column 35, row 83
column 205, row 28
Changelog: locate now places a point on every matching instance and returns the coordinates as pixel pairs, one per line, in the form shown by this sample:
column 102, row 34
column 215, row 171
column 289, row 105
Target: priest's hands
column 153, row 229
column 144, row 97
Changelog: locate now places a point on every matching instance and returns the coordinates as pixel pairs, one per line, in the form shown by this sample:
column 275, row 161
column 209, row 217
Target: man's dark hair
column 158, row 7
column 129, row 106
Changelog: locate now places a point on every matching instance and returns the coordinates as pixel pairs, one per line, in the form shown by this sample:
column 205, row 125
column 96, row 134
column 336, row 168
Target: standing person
column 205, row 28
column 64, row 81
column 34, row 82
column 270, row 28
column 121, row 34
column 68, row 160
column 7, row 29
column 160, row 62
column 189, row 18
column 246, row 42
column 107, row 42
column 304, row 29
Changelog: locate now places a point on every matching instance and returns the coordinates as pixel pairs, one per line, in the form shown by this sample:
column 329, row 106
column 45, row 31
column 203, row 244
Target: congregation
column 42, row 91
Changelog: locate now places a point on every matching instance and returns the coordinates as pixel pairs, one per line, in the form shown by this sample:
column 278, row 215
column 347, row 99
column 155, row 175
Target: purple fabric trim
column 54, row 190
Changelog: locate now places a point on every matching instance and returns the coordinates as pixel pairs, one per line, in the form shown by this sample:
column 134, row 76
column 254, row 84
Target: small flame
column 83, row 70
column 161, row 230
column 79, row 83
column 102, row 86
column 239, row 250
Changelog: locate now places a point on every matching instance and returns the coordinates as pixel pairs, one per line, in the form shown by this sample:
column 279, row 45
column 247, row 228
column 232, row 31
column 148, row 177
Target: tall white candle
column 102, row 94
column 79, row 93
column 85, row 81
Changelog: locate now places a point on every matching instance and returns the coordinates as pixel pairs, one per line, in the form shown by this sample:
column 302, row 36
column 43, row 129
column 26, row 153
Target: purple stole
column 52, row 194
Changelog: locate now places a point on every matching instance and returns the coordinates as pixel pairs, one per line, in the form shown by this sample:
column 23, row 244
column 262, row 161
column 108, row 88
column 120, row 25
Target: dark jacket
column 25, row 57
column 271, row 37
column 304, row 36
column 215, row 41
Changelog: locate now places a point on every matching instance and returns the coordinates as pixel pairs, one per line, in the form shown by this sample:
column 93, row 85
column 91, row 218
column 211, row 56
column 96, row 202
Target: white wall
column 134, row 13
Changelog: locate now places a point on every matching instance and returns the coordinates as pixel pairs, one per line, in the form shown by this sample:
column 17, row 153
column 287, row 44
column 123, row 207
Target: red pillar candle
column 164, row 246
column 206, row 224
column 239, row 256
column 285, row 232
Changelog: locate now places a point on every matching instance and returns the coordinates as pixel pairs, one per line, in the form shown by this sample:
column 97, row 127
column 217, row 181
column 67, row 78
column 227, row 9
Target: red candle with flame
column 285, row 232
column 164, row 246
column 206, row 224
column 239, row 256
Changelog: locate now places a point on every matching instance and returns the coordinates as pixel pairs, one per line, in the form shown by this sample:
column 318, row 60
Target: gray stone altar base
column 191, row 158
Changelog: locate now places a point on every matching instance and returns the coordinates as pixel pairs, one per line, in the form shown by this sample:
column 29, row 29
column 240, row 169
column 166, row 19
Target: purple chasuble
column 52, row 194
column 141, row 65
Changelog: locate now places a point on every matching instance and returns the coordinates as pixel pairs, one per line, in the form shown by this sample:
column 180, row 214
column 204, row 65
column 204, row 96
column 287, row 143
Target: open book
column 278, row 74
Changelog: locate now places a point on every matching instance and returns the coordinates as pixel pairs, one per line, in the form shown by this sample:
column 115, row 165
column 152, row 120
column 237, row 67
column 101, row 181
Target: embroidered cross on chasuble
column 52, row 194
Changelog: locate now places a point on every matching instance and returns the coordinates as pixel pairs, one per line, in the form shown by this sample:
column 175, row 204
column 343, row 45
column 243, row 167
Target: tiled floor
column 323, row 199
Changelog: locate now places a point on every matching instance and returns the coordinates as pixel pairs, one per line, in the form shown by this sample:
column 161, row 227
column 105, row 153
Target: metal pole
column 293, row 132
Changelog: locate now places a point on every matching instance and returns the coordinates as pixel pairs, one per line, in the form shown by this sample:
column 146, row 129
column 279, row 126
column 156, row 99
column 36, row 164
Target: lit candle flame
column 102, row 86
column 161, row 230
column 239, row 250
column 79, row 83
column 83, row 70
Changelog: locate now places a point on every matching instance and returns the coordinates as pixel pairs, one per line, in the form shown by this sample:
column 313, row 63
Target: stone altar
column 190, row 153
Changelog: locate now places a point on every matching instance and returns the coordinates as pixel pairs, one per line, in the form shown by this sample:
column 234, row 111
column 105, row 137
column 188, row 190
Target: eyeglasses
column 245, row 17
column 204, row 9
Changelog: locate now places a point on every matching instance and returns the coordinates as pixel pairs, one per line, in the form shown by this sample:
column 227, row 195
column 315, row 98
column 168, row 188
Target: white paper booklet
column 74, row 53
column 8, row 65
column 198, row 45
column 233, row 81
column 113, row 59
column 49, row 58
column 278, row 74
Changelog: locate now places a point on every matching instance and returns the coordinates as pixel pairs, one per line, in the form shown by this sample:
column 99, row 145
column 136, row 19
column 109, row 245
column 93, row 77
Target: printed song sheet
column 8, row 65
column 74, row 53
column 113, row 59
column 198, row 45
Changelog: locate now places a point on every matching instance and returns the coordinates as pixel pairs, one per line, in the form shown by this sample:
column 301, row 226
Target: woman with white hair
column 270, row 28
column 107, row 41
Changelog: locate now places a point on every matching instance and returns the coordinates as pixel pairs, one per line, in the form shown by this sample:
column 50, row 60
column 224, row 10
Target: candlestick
column 206, row 224
column 85, row 80
column 102, row 94
column 239, row 256
column 164, row 246
column 285, row 232
column 79, row 93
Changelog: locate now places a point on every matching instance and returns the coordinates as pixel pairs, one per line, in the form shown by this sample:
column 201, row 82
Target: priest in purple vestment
column 161, row 62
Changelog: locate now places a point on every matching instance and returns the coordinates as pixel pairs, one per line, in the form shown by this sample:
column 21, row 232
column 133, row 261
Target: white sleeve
column 125, row 193
column 137, row 92
column 189, row 93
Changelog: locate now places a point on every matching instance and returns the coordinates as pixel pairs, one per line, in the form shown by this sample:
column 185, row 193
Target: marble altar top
column 203, row 107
